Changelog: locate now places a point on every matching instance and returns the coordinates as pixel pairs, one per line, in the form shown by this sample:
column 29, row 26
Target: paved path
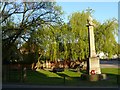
column 45, row 86
column 110, row 64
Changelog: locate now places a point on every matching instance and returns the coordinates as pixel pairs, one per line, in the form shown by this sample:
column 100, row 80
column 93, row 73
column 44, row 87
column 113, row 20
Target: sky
column 119, row 23
column 102, row 10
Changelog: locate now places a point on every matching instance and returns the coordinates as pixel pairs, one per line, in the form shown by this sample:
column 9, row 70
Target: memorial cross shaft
column 93, row 61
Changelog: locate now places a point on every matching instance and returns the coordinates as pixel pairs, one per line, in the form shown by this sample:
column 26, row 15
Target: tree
column 105, row 37
column 19, row 20
column 80, row 35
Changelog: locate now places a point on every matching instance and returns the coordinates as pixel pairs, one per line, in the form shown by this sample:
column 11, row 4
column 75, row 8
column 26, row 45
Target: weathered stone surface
column 91, row 42
column 102, row 76
column 93, row 62
column 93, row 78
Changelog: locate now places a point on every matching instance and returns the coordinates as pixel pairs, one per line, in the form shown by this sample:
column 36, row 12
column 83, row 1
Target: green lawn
column 114, row 71
column 70, row 77
column 50, row 78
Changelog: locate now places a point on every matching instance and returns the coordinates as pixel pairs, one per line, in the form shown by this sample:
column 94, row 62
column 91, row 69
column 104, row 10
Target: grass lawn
column 44, row 77
column 70, row 78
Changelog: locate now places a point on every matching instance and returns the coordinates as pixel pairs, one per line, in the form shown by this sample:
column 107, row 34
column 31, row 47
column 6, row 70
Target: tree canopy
column 19, row 20
column 39, row 28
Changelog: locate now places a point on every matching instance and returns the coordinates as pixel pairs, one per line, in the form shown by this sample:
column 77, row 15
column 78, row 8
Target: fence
column 13, row 72
column 16, row 73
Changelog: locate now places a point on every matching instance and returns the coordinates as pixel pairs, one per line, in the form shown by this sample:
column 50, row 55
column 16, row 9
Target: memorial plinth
column 93, row 63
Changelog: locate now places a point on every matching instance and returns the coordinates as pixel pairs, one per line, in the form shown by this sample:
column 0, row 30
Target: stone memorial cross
column 93, row 62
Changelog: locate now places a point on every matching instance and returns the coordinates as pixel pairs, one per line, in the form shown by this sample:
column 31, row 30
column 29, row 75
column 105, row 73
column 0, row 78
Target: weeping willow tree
column 80, row 35
column 69, row 41
column 105, row 37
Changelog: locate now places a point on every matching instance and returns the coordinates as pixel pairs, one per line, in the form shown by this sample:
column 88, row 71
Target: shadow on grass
column 113, row 78
column 49, row 78
column 83, row 71
column 62, row 74
column 59, row 78
column 74, row 70
column 12, row 76
column 42, row 79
